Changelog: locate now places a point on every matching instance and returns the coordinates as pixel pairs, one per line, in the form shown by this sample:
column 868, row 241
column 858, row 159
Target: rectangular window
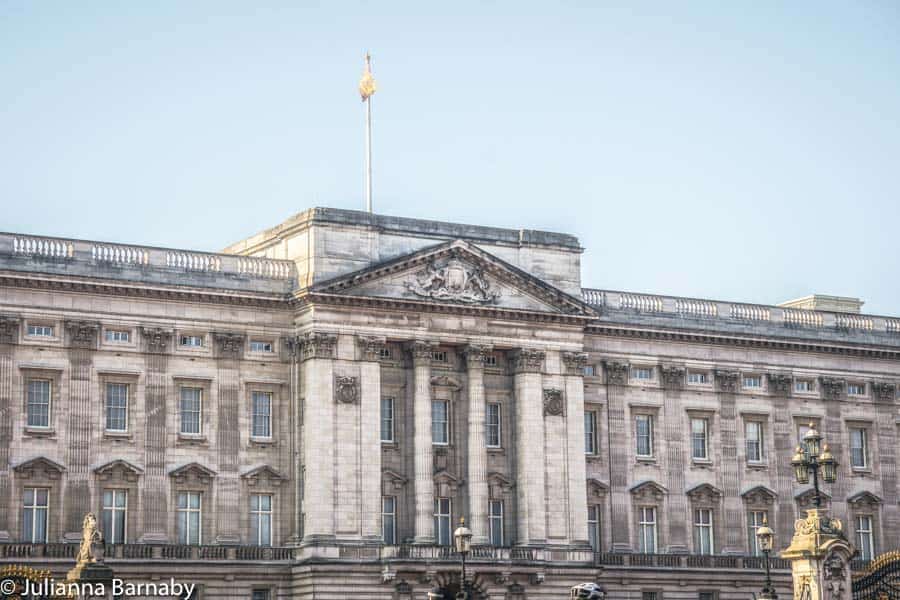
column 856, row 389
column 389, row 520
column 262, row 414
column 865, row 539
column 116, row 407
column 113, row 517
column 191, row 341
column 118, row 335
column 706, row 596
column 703, row 531
column 590, row 432
column 649, row 595
column 700, row 439
column 495, row 521
column 387, row 419
column 191, row 410
column 35, row 508
column 493, row 425
column 40, row 331
column 261, row 519
column 644, row 432
column 753, row 432
column 589, row 370
column 439, row 356
column 261, row 346
column 642, row 373
column 440, row 422
column 647, row 530
column 490, row 360
column 859, row 448
column 697, row 377
column 752, row 381
column 594, row 526
column 38, row 403
column 803, row 386
column 260, row 594
column 442, row 522
column 384, row 353
column 188, row 511
column 755, row 520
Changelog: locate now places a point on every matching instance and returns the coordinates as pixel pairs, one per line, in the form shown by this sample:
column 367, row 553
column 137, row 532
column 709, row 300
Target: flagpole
column 369, row 154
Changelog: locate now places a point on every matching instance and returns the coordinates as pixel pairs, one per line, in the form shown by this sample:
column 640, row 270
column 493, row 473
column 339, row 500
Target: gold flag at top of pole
column 367, row 85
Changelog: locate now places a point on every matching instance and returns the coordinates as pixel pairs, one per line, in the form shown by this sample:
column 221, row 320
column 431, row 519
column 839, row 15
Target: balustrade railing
column 696, row 308
column 749, row 312
column 687, row 561
column 43, row 247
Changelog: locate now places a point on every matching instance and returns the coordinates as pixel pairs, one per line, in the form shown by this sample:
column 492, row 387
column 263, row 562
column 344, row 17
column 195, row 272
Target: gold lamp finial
column 367, row 85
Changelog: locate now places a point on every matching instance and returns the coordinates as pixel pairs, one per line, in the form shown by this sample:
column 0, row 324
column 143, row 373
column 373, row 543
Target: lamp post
column 463, row 538
column 813, row 457
column 766, row 538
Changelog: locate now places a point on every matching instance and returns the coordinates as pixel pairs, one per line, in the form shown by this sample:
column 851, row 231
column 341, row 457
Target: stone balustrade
column 736, row 314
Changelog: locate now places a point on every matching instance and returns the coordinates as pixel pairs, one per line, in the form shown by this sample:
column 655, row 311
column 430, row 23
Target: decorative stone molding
column 704, row 494
column 446, row 381
column 9, row 329
column 453, row 280
column 83, row 334
column 41, row 468
column 596, row 489
column 265, row 475
column 832, row 388
column 392, row 482
column 672, row 376
column 370, row 347
column 648, row 492
column 528, row 360
column 780, row 383
column 499, row 485
column 476, row 354
column 420, row 351
column 616, row 372
column 575, row 362
column 291, row 347
column 318, row 344
column 346, row 389
column 156, row 339
column 884, row 391
column 192, row 473
column 865, row 501
column 727, row 380
column 805, row 499
column 554, row 405
column 759, row 496
column 229, row 344
column 119, row 470
column 445, row 484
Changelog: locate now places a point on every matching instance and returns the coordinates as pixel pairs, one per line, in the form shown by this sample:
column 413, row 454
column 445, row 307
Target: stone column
column 317, row 354
column 9, row 336
column 574, row 363
column 82, row 338
column 678, row 515
column 728, row 382
column 832, row 429
column 370, row 436
column 291, row 349
column 785, row 441
column 423, row 457
column 820, row 558
column 620, row 456
column 476, row 477
column 530, row 464
column 229, row 348
column 885, row 406
column 155, row 485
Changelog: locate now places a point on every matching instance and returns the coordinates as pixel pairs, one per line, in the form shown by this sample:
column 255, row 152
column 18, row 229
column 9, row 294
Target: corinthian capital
column 421, row 351
column 318, row 344
column 476, row 355
column 574, row 362
column 884, row 391
column 672, row 376
column 83, row 334
column 616, row 372
column 156, row 339
column 9, row 329
column 832, row 388
column 780, row 383
column 370, row 347
column 528, row 360
column 727, row 380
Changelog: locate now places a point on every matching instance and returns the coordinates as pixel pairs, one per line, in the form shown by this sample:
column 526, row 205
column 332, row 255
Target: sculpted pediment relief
column 118, row 470
column 192, row 473
column 454, row 273
column 40, row 467
column 759, row 495
column 264, row 475
column 648, row 491
column 864, row 501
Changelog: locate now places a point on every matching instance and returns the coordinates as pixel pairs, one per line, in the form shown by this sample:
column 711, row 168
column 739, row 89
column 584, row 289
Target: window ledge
column 757, row 466
column 262, row 441
column 701, row 464
column 392, row 446
column 40, row 431
column 646, row 459
column 496, row 450
column 118, row 435
column 592, row 457
column 191, row 438
column 861, row 471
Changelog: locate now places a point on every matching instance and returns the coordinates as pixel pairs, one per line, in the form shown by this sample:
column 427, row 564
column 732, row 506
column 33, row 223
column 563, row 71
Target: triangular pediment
column 455, row 273
column 263, row 474
column 39, row 465
column 864, row 500
column 118, row 467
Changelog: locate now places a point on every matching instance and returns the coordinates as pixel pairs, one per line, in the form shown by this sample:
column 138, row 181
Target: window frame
column 113, row 508
column 751, row 377
column 708, row 528
column 182, row 337
column 863, row 430
column 869, row 533
column 856, row 389
column 760, row 441
column 35, row 510
column 40, row 330
column 650, row 436
column 28, row 402
column 752, row 526
column 637, row 373
column 392, row 420
column 439, row 516
column 497, row 427
column 188, row 510
column 494, row 518
column 181, row 412
column 256, row 515
column 392, row 515
column 594, row 515
column 704, row 420
column 107, row 408
column 591, row 417
column 264, row 346
column 644, row 526
column 254, row 414
column 446, row 422
column 115, row 336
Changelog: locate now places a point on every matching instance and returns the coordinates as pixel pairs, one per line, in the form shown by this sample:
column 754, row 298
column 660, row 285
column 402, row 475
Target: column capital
column 528, row 360
column 9, row 329
column 83, row 334
column 420, row 351
column 884, row 391
column 780, row 383
column 229, row 344
column 156, row 339
column 370, row 347
column 317, row 344
column 616, row 372
column 832, row 387
column 672, row 376
column 727, row 380
column 575, row 362
column 476, row 354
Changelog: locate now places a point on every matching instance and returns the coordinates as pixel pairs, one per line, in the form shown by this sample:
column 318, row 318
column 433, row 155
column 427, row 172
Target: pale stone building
column 309, row 413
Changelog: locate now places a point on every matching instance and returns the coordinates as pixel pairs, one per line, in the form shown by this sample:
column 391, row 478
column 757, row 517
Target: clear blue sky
column 735, row 150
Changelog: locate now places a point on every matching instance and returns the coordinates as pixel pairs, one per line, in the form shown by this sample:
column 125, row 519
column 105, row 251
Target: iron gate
column 880, row 580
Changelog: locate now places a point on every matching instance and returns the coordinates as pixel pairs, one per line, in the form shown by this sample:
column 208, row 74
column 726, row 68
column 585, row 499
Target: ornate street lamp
column 813, row 457
column 766, row 539
column 463, row 538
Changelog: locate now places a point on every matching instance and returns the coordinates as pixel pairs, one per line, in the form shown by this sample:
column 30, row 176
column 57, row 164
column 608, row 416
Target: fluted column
column 885, row 394
column 530, row 464
column 678, row 515
column 734, row 537
column 9, row 335
column 574, row 363
column 619, row 458
column 834, row 391
column 317, row 353
column 784, row 443
column 370, row 441
column 476, row 477
column 157, row 345
column 423, row 459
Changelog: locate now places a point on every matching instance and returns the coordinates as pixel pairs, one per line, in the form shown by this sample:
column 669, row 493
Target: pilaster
column 423, row 458
column 886, row 408
column 673, row 379
column 370, row 441
column 476, row 476
column 157, row 344
column 834, row 391
column 9, row 335
column 573, row 365
column 530, row 467
column 780, row 386
column 727, row 382
column 619, row 458
column 229, row 348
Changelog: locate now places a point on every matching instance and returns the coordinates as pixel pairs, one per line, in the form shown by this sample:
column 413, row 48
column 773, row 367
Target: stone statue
column 92, row 548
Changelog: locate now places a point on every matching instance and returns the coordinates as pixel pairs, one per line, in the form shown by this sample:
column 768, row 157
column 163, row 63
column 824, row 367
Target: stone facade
column 343, row 378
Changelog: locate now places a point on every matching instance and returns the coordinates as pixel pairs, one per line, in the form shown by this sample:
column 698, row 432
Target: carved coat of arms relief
column 454, row 281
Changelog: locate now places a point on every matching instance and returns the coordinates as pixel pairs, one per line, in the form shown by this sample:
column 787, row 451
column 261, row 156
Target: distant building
column 309, row 414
